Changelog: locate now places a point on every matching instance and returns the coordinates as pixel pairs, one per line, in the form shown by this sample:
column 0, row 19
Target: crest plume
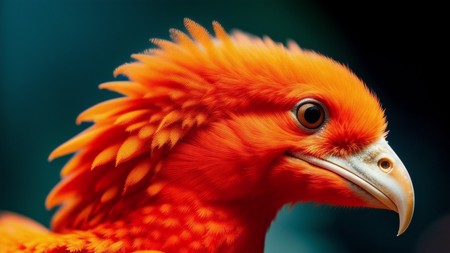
column 161, row 104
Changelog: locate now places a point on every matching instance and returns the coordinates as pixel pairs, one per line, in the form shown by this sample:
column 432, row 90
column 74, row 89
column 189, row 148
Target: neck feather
column 178, row 220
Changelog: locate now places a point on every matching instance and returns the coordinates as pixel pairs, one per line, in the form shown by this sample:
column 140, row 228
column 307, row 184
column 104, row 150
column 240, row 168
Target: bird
column 210, row 136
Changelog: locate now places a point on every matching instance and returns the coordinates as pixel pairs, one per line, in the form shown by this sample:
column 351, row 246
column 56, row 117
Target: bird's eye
column 310, row 114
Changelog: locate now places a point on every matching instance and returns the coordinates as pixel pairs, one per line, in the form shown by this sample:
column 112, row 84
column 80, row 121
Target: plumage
column 203, row 149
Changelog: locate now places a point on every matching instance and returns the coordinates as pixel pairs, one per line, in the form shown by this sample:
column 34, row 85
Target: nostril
column 385, row 165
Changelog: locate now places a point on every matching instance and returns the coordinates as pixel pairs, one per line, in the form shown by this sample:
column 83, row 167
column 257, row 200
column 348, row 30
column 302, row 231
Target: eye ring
column 310, row 114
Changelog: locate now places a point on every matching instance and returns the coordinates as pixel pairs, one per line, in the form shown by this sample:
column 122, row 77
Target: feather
column 107, row 155
column 136, row 126
column 130, row 148
column 221, row 34
column 160, row 139
column 183, row 40
column 199, row 33
column 131, row 117
column 130, row 89
column 105, row 110
column 110, row 194
column 78, row 141
column 137, row 173
column 170, row 118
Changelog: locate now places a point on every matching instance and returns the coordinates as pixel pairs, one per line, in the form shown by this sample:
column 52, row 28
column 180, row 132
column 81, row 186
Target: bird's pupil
column 312, row 114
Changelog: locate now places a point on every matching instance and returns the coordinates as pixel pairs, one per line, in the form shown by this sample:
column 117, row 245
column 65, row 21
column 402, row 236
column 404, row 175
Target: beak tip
column 405, row 220
column 401, row 230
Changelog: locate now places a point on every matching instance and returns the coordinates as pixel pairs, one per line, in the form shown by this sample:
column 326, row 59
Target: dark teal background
column 54, row 53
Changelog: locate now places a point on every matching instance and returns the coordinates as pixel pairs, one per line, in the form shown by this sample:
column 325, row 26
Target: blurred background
column 54, row 53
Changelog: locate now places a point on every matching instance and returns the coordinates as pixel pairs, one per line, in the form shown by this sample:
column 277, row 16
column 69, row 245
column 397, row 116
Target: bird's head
column 238, row 118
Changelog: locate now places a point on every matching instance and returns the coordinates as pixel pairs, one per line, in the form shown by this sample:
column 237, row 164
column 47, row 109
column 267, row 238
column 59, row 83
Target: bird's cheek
column 294, row 180
column 328, row 188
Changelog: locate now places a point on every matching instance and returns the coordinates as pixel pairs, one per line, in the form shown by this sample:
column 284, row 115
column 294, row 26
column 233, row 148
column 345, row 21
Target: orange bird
column 212, row 136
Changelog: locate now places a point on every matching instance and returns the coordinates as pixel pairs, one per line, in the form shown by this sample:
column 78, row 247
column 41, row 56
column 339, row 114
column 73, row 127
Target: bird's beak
column 378, row 171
